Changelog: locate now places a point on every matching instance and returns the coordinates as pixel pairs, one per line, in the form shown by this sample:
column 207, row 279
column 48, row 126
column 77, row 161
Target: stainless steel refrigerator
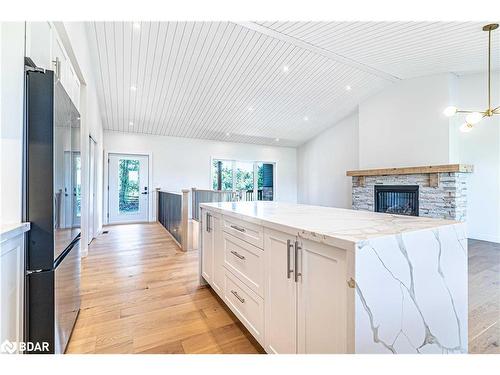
column 52, row 206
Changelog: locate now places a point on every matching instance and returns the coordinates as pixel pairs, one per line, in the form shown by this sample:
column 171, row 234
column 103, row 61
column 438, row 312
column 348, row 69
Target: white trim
column 151, row 216
column 275, row 171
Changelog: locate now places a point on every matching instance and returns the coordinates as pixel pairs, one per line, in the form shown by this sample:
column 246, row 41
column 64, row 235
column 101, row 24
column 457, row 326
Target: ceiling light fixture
column 137, row 25
column 130, row 123
column 133, row 88
column 286, row 68
column 250, row 108
column 306, row 118
column 277, row 139
column 474, row 117
column 227, row 134
column 348, row 88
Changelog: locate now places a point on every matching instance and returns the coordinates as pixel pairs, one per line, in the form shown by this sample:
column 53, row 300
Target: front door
column 128, row 196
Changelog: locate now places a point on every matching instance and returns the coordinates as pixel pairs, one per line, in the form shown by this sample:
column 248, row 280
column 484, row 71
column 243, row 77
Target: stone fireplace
column 432, row 191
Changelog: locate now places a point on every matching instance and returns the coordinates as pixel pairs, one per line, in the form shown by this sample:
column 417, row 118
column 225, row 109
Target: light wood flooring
column 484, row 297
column 140, row 294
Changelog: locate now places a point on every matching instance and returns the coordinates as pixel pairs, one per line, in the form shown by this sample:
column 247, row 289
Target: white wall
column 179, row 163
column 403, row 125
column 323, row 161
column 481, row 147
column 11, row 120
column 74, row 36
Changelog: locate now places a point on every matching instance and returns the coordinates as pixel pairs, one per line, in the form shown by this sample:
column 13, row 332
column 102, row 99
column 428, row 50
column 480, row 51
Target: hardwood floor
column 140, row 294
column 484, row 297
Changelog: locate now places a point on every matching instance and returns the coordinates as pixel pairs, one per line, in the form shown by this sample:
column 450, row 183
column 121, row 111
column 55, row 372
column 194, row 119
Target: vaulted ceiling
column 276, row 83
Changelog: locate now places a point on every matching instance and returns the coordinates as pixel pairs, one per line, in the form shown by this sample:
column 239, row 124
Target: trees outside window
column 129, row 185
column 253, row 180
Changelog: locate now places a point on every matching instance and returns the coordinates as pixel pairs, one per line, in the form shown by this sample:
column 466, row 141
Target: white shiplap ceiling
column 258, row 82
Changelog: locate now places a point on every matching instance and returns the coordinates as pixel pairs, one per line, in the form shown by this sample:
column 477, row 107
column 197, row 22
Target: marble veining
column 421, row 307
column 410, row 273
column 324, row 223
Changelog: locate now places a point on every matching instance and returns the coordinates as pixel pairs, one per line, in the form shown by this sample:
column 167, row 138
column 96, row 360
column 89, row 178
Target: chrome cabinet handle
column 239, row 229
column 57, row 64
column 235, row 293
column 289, row 247
column 237, row 255
column 297, row 273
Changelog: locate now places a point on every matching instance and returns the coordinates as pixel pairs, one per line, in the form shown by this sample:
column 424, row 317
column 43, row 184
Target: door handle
column 208, row 222
column 144, row 192
column 297, row 273
column 289, row 247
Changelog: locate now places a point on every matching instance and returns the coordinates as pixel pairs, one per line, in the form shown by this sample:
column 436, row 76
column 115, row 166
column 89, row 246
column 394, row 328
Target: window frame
column 255, row 171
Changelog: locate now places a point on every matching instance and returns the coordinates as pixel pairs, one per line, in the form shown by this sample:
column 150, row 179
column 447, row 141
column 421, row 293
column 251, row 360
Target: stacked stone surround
column 446, row 201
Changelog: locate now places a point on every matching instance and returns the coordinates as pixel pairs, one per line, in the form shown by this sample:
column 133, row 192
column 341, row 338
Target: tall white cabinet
column 44, row 46
column 323, row 299
column 212, row 258
column 291, row 294
column 306, row 296
column 280, row 293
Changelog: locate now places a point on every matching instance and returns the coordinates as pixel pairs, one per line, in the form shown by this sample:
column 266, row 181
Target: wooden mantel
column 447, row 168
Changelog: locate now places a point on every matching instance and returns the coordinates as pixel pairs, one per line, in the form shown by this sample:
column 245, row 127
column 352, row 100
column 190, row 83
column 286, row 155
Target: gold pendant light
column 474, row 117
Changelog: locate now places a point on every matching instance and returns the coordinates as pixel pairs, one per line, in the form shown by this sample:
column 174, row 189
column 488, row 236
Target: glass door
column 244, row 180
column 128, row 195
column 77, row 188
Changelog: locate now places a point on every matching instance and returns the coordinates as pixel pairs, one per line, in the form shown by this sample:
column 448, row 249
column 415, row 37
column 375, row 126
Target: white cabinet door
column 218, row 255
column 38, row 43
column 60, row 62
column 322, row 299
column 280, row 293
column 207, row 251
column 12, row 290
column 46, row 50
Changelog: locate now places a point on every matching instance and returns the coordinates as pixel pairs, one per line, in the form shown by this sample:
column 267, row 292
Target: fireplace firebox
column 397, row 199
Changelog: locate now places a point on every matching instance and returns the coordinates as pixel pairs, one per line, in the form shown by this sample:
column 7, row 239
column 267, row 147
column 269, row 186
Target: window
column 253, row 180
column 129, row 185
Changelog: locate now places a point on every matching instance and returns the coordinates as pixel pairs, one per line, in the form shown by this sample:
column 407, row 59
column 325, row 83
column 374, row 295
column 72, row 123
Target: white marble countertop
column 326, row 223
column 7, row 231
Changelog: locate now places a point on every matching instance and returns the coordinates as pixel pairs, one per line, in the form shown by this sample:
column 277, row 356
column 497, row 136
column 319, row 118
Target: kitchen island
column 310, row 279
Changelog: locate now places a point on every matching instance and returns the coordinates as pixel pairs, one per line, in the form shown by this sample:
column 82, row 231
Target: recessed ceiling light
column 306, row 118
column 277, row 139
column 250, row 108
column 133, row 88
column 137, row 25
column 286, row 68
column 348, row 88
column 130, row 123
column 227, row 134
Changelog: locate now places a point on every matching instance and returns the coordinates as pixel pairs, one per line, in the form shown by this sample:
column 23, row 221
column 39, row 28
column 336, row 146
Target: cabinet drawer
column 245, row 261
column 249, row 232
column 246, row 305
